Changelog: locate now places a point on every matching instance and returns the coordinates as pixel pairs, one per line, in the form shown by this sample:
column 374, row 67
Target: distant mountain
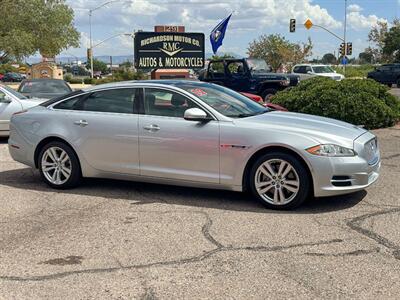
column 118, row 59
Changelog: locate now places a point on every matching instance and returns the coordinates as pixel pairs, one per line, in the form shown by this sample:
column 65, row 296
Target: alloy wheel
column 56, row 165
column 277, row 182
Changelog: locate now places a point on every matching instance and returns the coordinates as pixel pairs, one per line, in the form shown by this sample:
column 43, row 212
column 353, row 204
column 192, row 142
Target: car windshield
column 45, row 87
column 225, row 101
column 323, row 69
column 15, row 93
column 258, row 65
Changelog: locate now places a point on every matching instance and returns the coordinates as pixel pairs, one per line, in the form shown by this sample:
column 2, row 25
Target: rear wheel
column 279, row 181
column 59, row 166
column 268, row 94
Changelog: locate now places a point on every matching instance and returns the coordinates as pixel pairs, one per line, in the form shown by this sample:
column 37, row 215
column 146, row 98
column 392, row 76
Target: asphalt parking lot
column 125, row 240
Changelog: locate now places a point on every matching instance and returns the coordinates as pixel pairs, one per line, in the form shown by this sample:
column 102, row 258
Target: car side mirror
column 6, row 99
column 334, row 71
column 195, row 114
column 309, row 72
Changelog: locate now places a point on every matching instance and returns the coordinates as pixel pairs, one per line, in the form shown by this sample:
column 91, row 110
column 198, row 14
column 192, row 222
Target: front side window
column 384, row 68
column 323, row 69
column 158, row 102
column 112, row 101
column 225, row 101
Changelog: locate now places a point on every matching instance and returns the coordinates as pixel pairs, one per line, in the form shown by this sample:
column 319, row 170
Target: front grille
column 371, row 151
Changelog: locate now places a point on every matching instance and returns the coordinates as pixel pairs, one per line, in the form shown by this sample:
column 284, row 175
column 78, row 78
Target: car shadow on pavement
column 146, row 193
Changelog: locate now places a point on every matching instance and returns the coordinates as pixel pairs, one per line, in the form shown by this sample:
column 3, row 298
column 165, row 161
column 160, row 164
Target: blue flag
column 218, row 33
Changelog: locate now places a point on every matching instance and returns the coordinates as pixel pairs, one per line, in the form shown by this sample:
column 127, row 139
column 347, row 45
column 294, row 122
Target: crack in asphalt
column 356, row 225
column 351, row 253
column 207, row 235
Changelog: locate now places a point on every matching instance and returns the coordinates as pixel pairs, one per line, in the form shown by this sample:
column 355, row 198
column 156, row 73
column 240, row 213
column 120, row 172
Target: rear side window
column 112, row 101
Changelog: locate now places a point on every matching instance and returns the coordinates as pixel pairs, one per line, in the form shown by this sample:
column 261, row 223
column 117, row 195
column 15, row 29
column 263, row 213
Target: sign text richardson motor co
column 169, row 50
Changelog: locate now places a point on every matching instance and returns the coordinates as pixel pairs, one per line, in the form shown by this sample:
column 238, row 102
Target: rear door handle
column 81, row 123
column 152, row 128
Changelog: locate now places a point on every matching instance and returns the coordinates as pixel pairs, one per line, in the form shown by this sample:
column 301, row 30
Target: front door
column 104, row 127
column 172, row 147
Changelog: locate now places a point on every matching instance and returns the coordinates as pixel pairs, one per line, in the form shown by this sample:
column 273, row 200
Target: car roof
column 42, row 79
column 162, row 82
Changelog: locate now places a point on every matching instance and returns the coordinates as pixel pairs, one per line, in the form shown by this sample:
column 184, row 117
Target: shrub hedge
column 360, row 102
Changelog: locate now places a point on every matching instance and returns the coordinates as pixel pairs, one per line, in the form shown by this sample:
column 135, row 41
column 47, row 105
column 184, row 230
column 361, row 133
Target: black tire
column 267, row 94
column 75, row 175
column 303, row 177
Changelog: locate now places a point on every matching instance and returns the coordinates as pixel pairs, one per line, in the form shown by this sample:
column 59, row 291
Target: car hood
column 329, row 74
column 270, row 76
column 324, row 130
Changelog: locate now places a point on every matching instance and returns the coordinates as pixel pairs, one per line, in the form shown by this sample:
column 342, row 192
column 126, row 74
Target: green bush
column 89, row 80
column 75, row 80
column 355, row 71
column 360, row 102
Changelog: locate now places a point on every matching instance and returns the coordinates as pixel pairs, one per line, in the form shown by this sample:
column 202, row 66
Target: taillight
column 19, row 112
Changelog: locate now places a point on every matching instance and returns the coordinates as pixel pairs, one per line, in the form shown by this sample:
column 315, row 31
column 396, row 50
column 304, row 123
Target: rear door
column 238, row 78
column 103, row 125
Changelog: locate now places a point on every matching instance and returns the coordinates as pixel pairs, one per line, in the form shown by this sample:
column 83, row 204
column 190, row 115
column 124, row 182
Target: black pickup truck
column 247, row 75
column 386, row 74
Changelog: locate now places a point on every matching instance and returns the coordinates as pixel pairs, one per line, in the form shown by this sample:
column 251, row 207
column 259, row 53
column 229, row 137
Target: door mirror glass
column 196, row 114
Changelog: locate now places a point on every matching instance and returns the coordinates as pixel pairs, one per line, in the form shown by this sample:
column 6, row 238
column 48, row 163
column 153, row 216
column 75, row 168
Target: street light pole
column 344, row 36
column 90, row 32
column 91, row 44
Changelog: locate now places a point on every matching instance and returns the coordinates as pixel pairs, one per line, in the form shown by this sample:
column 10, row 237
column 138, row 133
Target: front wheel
column 279, row 181
column 59, row 166
column 268, row 94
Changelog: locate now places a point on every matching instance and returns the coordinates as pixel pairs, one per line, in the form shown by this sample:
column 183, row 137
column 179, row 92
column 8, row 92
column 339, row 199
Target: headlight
column 331, row 150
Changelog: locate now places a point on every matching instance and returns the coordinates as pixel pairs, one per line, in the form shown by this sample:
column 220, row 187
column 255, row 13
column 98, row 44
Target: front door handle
column 81, row 123
column 152, row 128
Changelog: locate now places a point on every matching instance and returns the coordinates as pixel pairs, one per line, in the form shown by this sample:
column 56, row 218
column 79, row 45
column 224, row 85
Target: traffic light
column 349, row 49
column 292, row 27
column 342, row 49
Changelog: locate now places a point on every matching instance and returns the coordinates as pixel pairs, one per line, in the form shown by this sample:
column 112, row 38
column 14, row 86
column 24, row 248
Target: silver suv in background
column 306, row 71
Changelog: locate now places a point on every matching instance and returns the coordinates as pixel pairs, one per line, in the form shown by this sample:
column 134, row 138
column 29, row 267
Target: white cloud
column 358, row 21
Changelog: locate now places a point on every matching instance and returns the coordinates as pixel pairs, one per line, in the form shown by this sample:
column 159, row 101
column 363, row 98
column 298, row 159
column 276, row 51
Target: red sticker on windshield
column 199, row 92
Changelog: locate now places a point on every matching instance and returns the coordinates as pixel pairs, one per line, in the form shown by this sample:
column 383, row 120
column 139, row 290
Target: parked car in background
column 12, row 77
column 247, row 75
column 12, row 102
column 1, row 77
column 260, row 100
column 388, row 74
column 194, row 134
column 44, row 88
column 306, row 71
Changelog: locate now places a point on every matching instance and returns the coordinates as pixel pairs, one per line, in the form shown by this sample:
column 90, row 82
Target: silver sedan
column 12, row 102
column 193, row 134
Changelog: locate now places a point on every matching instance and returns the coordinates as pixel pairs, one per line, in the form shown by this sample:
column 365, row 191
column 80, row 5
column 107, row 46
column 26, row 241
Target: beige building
column 45, row 69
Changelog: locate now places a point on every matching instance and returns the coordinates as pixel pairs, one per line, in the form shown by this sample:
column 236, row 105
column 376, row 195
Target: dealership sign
column 169, row 50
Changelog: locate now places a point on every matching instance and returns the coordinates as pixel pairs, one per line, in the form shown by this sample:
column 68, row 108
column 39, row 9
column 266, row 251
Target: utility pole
column 91, row 44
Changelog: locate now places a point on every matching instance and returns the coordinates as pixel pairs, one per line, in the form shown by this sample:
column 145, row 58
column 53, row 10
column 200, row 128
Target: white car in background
column 306, row 71
column 10, row 103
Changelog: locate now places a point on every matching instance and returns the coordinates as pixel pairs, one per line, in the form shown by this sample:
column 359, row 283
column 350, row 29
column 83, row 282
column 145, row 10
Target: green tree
column 391, row 48
column 377, row 36
column 329, row 58
column 276, row 49
column 98, row 65
column 29, row 26
column 366, row 57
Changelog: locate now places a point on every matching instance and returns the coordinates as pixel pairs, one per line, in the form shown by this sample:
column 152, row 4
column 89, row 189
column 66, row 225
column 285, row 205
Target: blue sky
column 250, row 19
